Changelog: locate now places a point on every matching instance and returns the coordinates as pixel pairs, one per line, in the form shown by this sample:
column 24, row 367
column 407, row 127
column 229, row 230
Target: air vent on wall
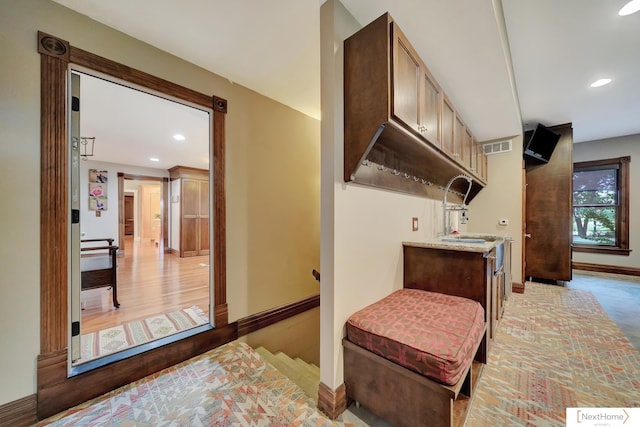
column 497, row 147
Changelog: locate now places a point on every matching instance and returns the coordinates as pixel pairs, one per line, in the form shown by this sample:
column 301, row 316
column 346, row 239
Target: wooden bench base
column 99, row 270
column 403, row 397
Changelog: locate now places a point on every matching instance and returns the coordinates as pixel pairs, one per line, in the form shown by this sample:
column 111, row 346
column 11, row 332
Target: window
column 601, row 206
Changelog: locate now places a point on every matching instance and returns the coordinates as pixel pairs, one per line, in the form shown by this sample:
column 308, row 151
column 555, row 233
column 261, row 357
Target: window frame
column 622, row 220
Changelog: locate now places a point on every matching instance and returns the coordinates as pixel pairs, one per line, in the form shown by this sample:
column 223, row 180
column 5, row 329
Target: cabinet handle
column 528, row 235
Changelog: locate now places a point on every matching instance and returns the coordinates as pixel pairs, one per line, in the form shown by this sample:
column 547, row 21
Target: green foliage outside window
column 595, row 200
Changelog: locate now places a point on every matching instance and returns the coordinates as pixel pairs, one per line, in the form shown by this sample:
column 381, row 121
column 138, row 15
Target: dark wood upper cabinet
column 399, row 126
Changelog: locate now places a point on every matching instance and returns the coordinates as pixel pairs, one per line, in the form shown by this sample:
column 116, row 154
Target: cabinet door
column 459, row 131
column 448, row 118
column 467, row 148
column 473, row 162
column 406, row 81
column 430, row 103
column 190, row 194
column 481, row 163
column 484, row 172
column 491, row 308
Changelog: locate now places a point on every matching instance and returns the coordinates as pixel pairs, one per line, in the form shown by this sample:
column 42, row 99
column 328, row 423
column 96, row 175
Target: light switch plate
column 414, row 224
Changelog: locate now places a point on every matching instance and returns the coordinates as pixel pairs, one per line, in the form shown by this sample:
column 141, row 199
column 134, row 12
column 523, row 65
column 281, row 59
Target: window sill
column 608, row 250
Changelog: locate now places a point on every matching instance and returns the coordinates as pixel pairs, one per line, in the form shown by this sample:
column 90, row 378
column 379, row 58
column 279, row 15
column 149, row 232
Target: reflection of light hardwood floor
column 149, row 282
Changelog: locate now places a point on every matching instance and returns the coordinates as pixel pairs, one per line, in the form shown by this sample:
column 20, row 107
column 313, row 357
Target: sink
column 472, row 236
column 463, row 240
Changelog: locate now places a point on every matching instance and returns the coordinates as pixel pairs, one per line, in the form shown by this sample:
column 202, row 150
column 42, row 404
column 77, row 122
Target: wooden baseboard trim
column 19, row 413
column 332, row 403
column 518, row 288
column 602, row 268
column 266, row 318
column 220, row 315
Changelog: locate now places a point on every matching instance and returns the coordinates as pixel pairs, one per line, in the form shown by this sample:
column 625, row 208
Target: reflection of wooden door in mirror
column 194, row 210
column 128, row 215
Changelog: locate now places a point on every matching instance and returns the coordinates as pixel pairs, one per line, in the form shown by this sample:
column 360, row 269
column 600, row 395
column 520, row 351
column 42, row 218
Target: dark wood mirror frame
column 57, row 391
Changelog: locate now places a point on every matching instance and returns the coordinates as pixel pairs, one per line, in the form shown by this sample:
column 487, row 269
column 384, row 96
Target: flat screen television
column 540, row 142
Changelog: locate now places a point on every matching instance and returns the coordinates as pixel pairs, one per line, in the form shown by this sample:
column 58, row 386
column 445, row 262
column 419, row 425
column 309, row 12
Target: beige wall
column 362, row 227
column 502, row 199
column 609, row 149
column 273, row 169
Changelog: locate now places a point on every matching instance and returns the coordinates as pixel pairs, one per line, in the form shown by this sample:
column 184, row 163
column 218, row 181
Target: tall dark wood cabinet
column 194, row 210
column 549, row 212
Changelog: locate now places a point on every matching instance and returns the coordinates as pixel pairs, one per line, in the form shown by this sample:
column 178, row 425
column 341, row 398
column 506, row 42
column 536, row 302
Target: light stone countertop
column 492, row 241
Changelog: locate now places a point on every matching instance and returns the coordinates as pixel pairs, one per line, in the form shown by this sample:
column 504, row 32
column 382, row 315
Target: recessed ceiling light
column 600, row 82
column 632, row 7
column 179, row 137
column 154, row 159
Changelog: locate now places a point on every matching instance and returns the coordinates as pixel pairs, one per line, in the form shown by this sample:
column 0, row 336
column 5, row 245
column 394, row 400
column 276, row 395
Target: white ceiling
column 551, row 49
column 560, row 47
column 131, row 127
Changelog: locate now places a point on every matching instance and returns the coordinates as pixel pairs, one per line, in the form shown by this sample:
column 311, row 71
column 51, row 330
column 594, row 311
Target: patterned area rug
column 106, row 341
column 229, row 386
column 555, row 348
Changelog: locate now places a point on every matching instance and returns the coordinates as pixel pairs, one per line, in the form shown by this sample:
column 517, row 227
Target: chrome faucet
column 463, row 207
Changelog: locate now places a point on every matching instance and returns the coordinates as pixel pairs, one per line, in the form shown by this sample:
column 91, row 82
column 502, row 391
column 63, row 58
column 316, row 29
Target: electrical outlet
column 414, row 224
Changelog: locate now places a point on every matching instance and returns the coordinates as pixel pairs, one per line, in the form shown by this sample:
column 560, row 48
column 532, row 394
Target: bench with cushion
column 410, row 355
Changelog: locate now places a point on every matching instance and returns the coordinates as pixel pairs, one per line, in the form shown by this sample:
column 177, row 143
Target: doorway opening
column 159, row 292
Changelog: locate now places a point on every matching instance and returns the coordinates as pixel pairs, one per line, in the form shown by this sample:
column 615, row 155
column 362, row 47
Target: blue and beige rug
column 118, row 338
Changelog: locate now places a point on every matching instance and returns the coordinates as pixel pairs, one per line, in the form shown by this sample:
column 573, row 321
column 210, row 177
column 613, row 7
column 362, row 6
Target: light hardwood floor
column 149, row 282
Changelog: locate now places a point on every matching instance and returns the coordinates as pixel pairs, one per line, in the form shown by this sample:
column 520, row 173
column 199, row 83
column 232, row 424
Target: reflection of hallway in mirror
column 150, row 282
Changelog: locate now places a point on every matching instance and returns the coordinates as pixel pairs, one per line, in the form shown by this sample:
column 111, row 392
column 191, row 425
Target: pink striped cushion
column 433, row 334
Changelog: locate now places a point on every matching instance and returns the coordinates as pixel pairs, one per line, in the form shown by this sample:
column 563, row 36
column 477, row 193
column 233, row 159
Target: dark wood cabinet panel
column 466, row 274
column 459, row 130
column 406, row 82
column 430, row 108
column 448, row 124
column 467, row 149
column 548, row 212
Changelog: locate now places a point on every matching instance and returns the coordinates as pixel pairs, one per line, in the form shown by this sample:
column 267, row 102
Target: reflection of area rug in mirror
column 121, row 337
